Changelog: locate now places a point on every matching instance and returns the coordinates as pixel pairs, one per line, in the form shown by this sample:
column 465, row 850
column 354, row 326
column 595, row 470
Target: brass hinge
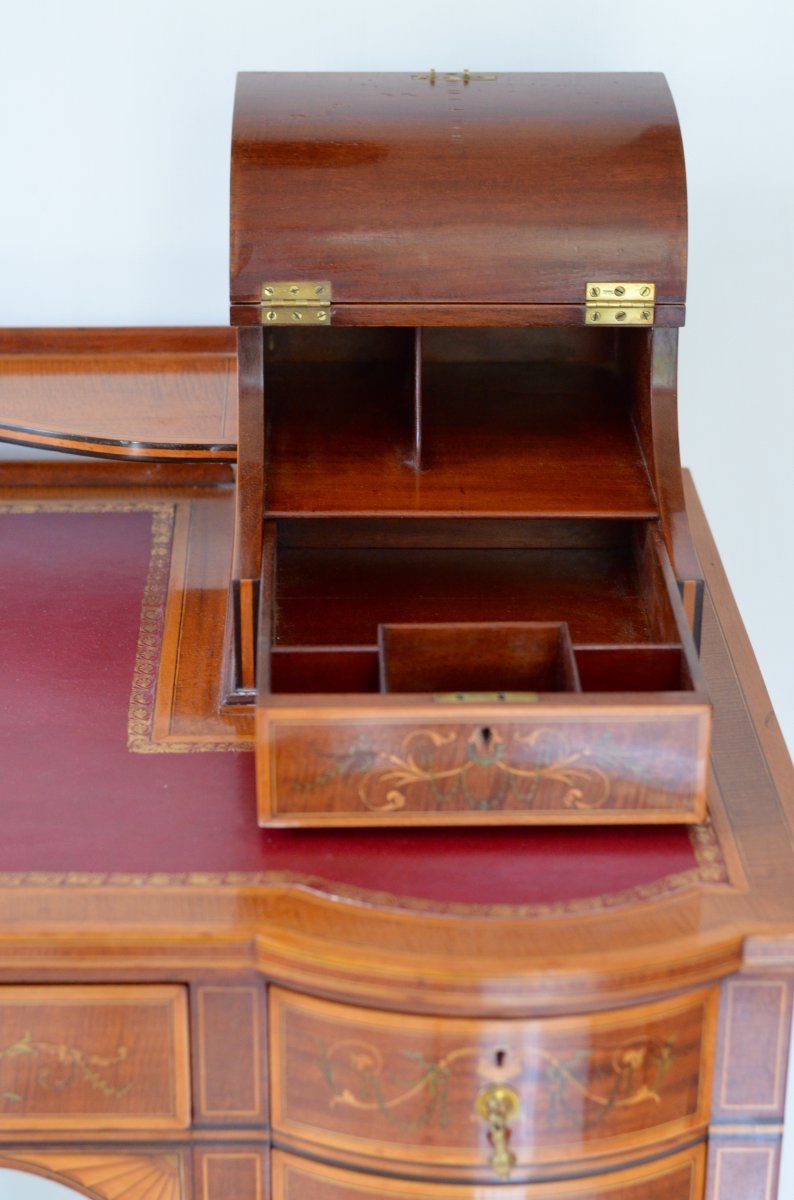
column 619, row 303
column 297, row 302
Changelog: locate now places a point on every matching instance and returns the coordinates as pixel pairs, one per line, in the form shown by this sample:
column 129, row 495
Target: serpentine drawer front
column 489, row 1099
column 108, row 1057
column 679, row 1177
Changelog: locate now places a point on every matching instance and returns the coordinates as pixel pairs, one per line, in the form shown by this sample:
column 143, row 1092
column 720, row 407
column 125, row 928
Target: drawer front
column 115, row 1056
column 560, row 764
column 423, row 1093
column 679, row 1177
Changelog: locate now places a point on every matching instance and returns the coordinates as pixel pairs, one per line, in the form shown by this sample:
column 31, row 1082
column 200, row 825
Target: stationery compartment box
column 451, row 430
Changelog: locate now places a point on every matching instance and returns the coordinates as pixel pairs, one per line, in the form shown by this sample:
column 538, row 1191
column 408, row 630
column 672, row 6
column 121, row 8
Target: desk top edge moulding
column 409, row 569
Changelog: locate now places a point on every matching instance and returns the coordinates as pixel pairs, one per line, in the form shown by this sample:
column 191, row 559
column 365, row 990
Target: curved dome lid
column 462, row 188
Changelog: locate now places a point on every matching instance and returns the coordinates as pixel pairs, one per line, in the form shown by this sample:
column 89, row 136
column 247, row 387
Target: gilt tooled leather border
column 711, row 869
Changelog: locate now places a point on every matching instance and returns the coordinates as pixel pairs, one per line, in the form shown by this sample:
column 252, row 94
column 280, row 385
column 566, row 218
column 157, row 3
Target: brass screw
column 293, row 291
column 596, row 316
column 645, row 291
column 272, row 315
column 620, row 316
column 646, row 316
column 318, row 291
column 594, row 291
column 321, row 316
column 620, row 290
column 297, row 316
column 268, row 291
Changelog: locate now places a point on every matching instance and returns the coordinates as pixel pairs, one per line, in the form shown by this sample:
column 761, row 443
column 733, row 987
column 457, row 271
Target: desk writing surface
column 78, row 799
column 110, row 826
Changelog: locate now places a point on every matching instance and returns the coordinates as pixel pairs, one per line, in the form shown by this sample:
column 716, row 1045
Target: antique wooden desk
column 192, row 1007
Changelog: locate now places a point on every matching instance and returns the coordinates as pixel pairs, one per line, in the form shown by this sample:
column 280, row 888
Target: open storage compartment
column 481, row 422
column 458, row 419
column 416, row 671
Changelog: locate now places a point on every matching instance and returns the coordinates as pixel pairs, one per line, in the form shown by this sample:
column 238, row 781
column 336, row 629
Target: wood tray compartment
column 335, row 748
column 522, row 657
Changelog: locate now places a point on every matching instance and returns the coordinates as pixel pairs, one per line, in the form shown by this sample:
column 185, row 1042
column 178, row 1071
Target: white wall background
column 114, row 143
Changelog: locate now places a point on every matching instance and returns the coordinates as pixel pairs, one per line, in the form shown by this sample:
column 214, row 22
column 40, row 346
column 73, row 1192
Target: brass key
column 499, row 1104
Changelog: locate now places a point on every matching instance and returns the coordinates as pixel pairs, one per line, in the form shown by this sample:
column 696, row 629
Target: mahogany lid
column 402, row 189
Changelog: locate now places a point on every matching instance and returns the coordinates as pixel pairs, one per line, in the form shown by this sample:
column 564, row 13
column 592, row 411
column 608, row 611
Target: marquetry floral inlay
column 579, row 1090
column 485, row 772
column 59, row 1066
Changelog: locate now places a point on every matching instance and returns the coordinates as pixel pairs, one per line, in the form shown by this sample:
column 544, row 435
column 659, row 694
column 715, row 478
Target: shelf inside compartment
column 338, row 583
column 439, row 422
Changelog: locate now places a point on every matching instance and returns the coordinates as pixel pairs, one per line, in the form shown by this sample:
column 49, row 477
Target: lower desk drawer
column 489, row 1099
column 112, row 1056
column 679, row 1177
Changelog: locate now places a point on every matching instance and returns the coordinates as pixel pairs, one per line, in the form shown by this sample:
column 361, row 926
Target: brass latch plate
column 619, row 303
column 296, row 302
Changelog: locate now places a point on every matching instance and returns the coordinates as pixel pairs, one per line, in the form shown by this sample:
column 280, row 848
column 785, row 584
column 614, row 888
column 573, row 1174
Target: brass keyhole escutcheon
column 498, row 1105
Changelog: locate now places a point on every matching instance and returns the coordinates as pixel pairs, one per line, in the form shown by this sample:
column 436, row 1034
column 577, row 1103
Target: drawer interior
column 460, row 595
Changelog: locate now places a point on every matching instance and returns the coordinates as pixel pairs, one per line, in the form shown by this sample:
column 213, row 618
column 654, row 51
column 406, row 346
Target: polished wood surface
column 380, row 950
column 472, row 741
column 341, row 436
column 142, row 394
column 137, row 866
column 680, row 1177
column 229, row 1053
column 544, row 182
column 632, row 946
column 111, row 1057
column 130, row 1174
column 381, row 1090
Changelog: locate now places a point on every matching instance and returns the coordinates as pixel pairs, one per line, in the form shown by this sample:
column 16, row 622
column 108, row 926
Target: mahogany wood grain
column 752, row 1065
column 544, row 181
column 131, row 1173
column 247, row 565
column 151, row 395
column 231, row 1171
column 113, row 1057
column 365, row 1087
column 531, row 656
column 229, row 1053
column 505, row 439
column 495, row 316
column 411, row 754
column 679, row 1177
column 743, row 1168
column 651, row 362
column 339, row 595
column 79, row 473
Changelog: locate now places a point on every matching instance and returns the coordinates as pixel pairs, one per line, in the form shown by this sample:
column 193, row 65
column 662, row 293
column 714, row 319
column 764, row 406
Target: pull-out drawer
column 679, row 1177
column 104, row 1057
column 540, row 673
column 489, row 1099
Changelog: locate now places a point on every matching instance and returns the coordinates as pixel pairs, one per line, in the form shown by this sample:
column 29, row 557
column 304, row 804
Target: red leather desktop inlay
column 75, row 799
